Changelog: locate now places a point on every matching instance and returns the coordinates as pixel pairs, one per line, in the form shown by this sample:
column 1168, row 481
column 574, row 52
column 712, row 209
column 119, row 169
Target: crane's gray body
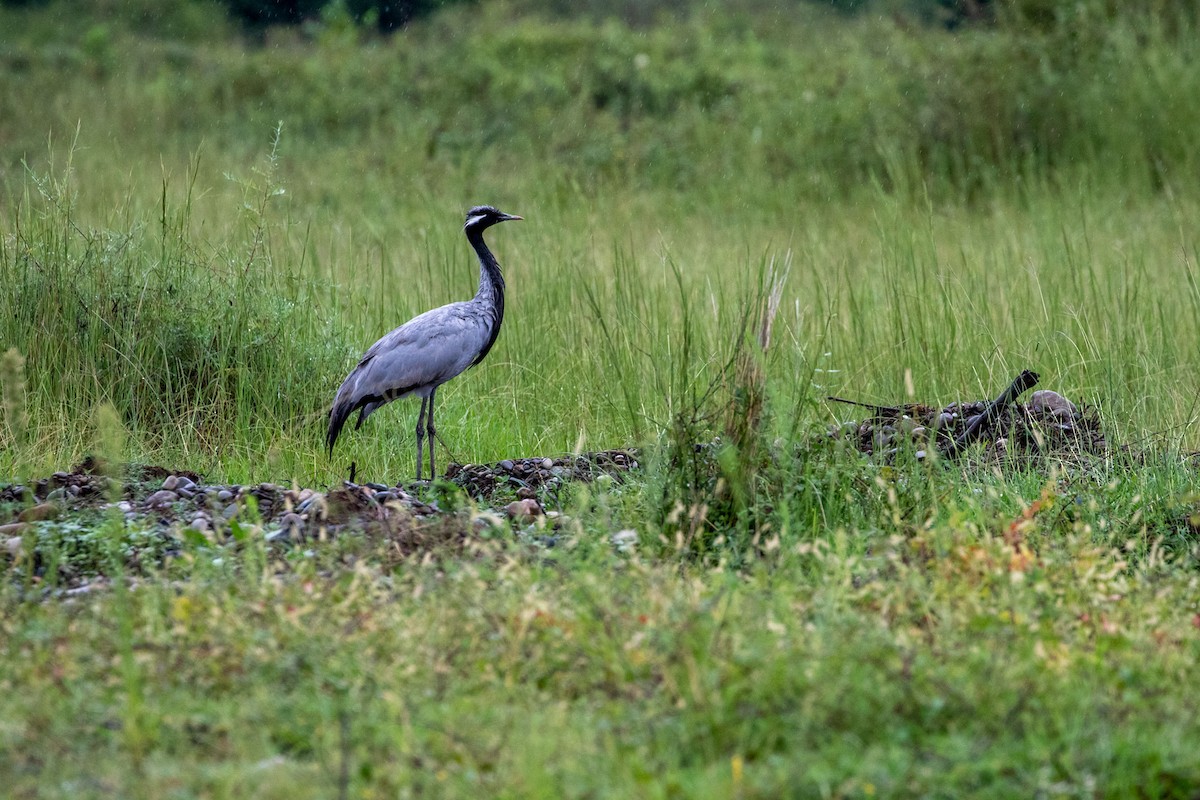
column 430, row 349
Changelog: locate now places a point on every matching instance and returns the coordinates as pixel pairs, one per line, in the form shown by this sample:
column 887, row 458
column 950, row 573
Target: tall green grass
column 959, row 207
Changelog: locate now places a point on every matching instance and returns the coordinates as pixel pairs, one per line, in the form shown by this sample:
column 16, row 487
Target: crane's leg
column 421, row 437
column 432, row 440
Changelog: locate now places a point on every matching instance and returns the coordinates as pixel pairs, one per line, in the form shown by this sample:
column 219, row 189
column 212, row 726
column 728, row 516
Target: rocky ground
column 171, row 504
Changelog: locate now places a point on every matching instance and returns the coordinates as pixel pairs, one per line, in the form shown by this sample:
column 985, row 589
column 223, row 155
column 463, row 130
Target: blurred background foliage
column 944, row 95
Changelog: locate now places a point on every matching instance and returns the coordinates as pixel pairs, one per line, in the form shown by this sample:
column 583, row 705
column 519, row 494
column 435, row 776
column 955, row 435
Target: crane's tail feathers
column 341, row 411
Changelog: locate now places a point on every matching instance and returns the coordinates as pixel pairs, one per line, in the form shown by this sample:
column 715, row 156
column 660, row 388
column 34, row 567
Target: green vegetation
column 198, row 234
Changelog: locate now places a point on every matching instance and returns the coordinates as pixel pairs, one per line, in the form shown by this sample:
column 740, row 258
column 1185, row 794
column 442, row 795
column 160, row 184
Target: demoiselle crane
column 429, row 349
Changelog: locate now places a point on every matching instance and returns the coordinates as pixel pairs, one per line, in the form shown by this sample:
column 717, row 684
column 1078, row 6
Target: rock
column 523, row 510
column 13, row 544
column 625, row 540
column 547, row 463
column 39, row 512
column 485, row 522
column 1064, row 418
column 170, row 483
column 292, row 521
column 201, row 523
column 74, row 491
column 944, row 420
column 161, row 498
column 526, row 493
column 185, row 492
column 506, row 465
column 384, row 496
column 58, row 494
column 230, row 511
column 185, row 482
column 376, row 487
column 225, row 495
column 1045, row 401
column 918, row 432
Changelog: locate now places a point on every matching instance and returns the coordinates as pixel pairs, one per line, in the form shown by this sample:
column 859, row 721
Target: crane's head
column 481, row 217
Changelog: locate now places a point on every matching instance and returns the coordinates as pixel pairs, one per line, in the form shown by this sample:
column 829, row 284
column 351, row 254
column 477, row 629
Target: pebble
column 170, row 483
column 230, row 511
column 547, row 463
column 224, row 495
column 506, row 465
column 12, row 545
column 184, row 482
column 292, row 521
column 523, row 509
column 58, row 494
column 39, row 512
column 385, row 496
column 201, row 523
column 185, row 492
column 526, row 493
column 163, row 497
column 378, row 487
column 73, row 490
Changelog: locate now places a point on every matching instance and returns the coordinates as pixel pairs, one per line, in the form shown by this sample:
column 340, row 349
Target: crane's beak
column 507, row 217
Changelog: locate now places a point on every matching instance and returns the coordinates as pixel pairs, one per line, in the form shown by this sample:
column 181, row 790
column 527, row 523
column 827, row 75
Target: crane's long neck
column 491, row 280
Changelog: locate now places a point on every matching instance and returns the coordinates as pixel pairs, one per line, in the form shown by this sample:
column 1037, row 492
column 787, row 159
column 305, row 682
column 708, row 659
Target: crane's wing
column 424, row 352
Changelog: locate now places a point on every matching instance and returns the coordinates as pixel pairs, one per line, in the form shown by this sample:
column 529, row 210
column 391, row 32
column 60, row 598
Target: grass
column 186, row 280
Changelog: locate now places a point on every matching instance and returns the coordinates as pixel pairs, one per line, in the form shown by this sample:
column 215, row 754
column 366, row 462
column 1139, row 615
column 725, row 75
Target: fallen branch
column 978, row 424
column 880, row 411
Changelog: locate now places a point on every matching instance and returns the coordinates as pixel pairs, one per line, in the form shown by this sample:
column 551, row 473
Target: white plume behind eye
column 475, row 220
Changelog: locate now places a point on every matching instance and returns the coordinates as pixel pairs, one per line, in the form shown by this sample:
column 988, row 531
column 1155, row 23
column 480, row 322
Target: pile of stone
column 179, row 500
column 1048, row 423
